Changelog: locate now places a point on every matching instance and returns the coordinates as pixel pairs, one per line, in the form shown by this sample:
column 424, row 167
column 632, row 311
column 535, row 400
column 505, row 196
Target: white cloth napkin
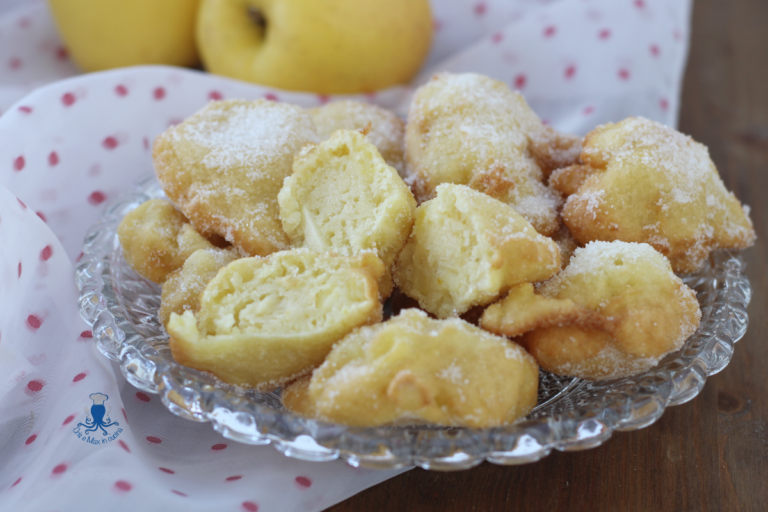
column 67, row 148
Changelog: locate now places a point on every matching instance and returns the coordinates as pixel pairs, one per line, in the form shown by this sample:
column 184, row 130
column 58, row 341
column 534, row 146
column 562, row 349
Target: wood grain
column 712, row 453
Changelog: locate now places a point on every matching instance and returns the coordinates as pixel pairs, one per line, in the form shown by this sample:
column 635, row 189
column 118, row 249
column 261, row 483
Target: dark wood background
column 710, row 454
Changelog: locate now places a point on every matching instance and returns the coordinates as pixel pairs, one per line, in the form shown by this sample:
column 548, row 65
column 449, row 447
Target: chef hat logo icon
column 97, row 417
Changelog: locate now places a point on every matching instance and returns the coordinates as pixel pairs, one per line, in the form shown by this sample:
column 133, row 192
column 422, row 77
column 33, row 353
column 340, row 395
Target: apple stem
column 257, row 17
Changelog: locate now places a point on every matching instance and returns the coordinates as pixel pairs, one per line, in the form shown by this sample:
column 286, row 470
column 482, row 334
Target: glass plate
column 571, row 414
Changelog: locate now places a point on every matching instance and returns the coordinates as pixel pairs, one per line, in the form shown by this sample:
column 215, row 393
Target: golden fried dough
column 567, row 245
column 295, row 397
column 650, row 313
column 182, row 288
column 412, row 369
column 343, row 197
column 553, row 150
column 224, row 166
column 265, row 321
column 157, row 239
column 644, row 182
column 387, row 130
column 471, row 130
column 467, row 249
column 523, row 310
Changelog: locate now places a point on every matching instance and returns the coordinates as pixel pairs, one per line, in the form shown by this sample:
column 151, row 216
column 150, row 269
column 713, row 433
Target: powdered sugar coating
column 646, row 182
column 224, row 166
column 413, row 370
column 469, row 129
column 386, row 130
column 647, row 310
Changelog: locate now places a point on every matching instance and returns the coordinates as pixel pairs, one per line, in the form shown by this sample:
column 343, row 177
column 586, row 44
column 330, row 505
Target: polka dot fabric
column 70, row 147
column 49, row 368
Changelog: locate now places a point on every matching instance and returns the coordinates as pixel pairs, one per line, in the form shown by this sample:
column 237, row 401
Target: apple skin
column 328, row 46
column 105, row 34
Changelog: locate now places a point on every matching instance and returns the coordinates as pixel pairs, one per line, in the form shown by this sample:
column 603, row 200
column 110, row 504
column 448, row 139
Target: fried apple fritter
column 265, row 321
column 344, row 198
column 648, row 310
column 472, row 130
column 644, row 182
column 413, row 369
column 157, row 239
column 466, row 249
column 224, row 166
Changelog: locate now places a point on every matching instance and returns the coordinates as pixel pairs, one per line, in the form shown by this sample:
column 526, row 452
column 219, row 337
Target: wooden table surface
column 710, row 454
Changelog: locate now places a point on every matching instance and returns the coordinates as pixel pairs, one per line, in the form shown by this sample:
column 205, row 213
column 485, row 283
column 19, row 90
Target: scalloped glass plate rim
column 583, row 417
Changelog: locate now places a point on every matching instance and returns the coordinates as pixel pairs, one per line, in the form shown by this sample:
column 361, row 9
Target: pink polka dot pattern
column 109, row 142
column 219, row 447
column 97, row 197
column 78, row 377
column 34, row 321
column 154, row 440
column 68, row 99
column 250, row 506
column 123, row 445
column 142, row 396
column 122, row 485
column 59, row 469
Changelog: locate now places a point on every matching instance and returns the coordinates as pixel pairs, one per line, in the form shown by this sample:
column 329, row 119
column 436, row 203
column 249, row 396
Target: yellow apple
column 104, row 34
column 324, row 46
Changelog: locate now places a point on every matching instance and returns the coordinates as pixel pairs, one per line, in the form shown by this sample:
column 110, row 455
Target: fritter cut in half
column 467, row 249
column 344, row 198
column 265, row 321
